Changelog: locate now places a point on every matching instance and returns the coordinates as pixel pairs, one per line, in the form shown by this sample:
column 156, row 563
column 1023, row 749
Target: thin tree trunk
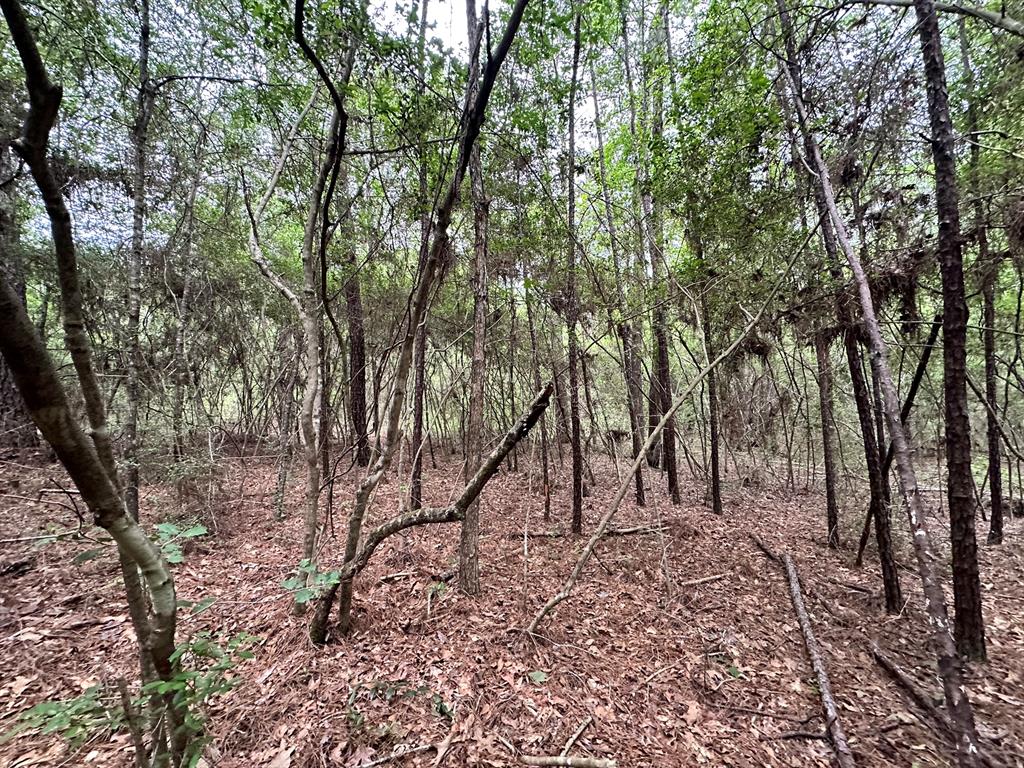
column 572, row 298
column 990, row 277
column 716, row 476
column 970, row 626
column 420, row 353
column 356, row 349
column 469, row 537
column 659, row 271
column 16, row 427
column 535, row 362
column 140, row 135
column 630, row 364
column 827, row 440
column 473, row 115
column 908, row 404
column 89, row 463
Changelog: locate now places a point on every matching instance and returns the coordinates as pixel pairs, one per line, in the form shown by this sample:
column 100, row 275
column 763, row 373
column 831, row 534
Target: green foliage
column 310, row 583
column 169, row 537
column 75, row 720
column 205, row 664
column 538, row 676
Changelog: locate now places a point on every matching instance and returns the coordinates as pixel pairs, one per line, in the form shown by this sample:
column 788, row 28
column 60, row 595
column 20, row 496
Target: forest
column 581, row 383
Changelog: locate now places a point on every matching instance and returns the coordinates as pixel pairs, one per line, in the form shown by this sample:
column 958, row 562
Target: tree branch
column 993, row 18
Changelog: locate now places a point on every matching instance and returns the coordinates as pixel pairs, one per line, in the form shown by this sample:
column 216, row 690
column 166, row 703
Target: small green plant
column 309, row 583
column 75, row 720
column 206, row 663
column 169, row 537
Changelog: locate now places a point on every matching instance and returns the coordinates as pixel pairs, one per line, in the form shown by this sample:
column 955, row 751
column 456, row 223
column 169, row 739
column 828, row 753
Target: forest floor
column 665, row 674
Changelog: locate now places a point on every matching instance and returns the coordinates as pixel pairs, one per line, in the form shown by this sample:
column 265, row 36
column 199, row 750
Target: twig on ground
column 576, row 734
column 705, row 580
column 761, row 713
column 795, row 735
column 395, row 755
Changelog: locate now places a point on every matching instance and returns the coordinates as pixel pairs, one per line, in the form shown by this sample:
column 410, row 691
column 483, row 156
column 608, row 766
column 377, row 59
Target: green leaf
column 202, row 605
column 195, row 530
column 538, row 676
column 167, row 530
column 173, row 553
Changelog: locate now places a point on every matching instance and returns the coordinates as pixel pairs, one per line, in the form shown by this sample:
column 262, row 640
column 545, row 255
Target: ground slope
column 664, row 672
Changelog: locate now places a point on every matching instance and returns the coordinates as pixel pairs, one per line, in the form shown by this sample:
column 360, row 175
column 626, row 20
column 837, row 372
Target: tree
column 469, row 557
column 970, row 627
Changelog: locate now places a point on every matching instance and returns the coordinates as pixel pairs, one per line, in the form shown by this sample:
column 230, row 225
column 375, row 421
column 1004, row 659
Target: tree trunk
column 630, row 362
column 716, row 476
column 990, row 279
column 89, row 463
column 140, row 136
column 879, row 510
column 969, row 627
column 471, row 122
column 534, row 355
column 908, row 404
column 16, row 428
column 827, row 438
column 659, row 271
column 420, row 353
column 572, row 298
column 469, row 557
column 356, row 349
column 184, row 304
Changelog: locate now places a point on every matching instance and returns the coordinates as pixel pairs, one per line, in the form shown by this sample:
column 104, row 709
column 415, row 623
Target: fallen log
column 828, row 704
column 923, row 700
column 565, row 761
column 844, row 756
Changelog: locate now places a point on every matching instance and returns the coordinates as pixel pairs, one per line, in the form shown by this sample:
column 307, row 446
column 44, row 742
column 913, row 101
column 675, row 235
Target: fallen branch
column 576, row 735
column 639, row 530
column 395, row 755
column 588, row 550
column 907, row 682
column 844, row 757
column 843, row 754
column 924, row 701
column 452, row 513
column 771, row 555
column 794, row 735
column 705, row 580
column 568, row 762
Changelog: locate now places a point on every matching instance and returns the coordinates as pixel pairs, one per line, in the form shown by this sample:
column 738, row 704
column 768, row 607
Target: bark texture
column 970, row 627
